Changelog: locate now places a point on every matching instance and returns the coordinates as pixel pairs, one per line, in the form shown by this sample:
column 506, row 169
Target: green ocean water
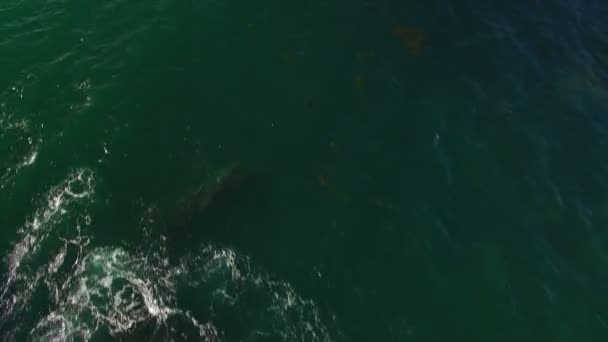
column 375, row 170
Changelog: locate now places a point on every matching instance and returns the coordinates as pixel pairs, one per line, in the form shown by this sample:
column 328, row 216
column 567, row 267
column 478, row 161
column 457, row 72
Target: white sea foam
column 120, row 292
column 72, row 193
column 123, row 292
column 24, row 152
column 232, row 282
column 17, row 131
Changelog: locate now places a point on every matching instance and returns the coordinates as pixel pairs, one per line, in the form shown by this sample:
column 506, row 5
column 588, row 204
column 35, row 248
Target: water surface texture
column 381, row 170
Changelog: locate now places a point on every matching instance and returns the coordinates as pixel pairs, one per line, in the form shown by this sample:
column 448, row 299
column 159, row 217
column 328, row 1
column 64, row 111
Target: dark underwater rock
column 215, row 190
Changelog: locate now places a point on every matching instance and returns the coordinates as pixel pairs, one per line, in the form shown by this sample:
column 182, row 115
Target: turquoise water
column 320, row 171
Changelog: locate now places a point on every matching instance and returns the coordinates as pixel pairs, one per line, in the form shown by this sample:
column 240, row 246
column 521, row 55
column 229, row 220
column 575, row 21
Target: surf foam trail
column 110, row 293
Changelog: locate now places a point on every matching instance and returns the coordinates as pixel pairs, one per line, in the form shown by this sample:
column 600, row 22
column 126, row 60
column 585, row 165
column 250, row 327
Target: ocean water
column 179, row 170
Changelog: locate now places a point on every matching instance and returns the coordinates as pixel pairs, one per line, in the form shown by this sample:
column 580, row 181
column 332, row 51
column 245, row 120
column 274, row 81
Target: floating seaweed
column 359, row 83
column 289, row 57
column 363, row 56
column 413, row 38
